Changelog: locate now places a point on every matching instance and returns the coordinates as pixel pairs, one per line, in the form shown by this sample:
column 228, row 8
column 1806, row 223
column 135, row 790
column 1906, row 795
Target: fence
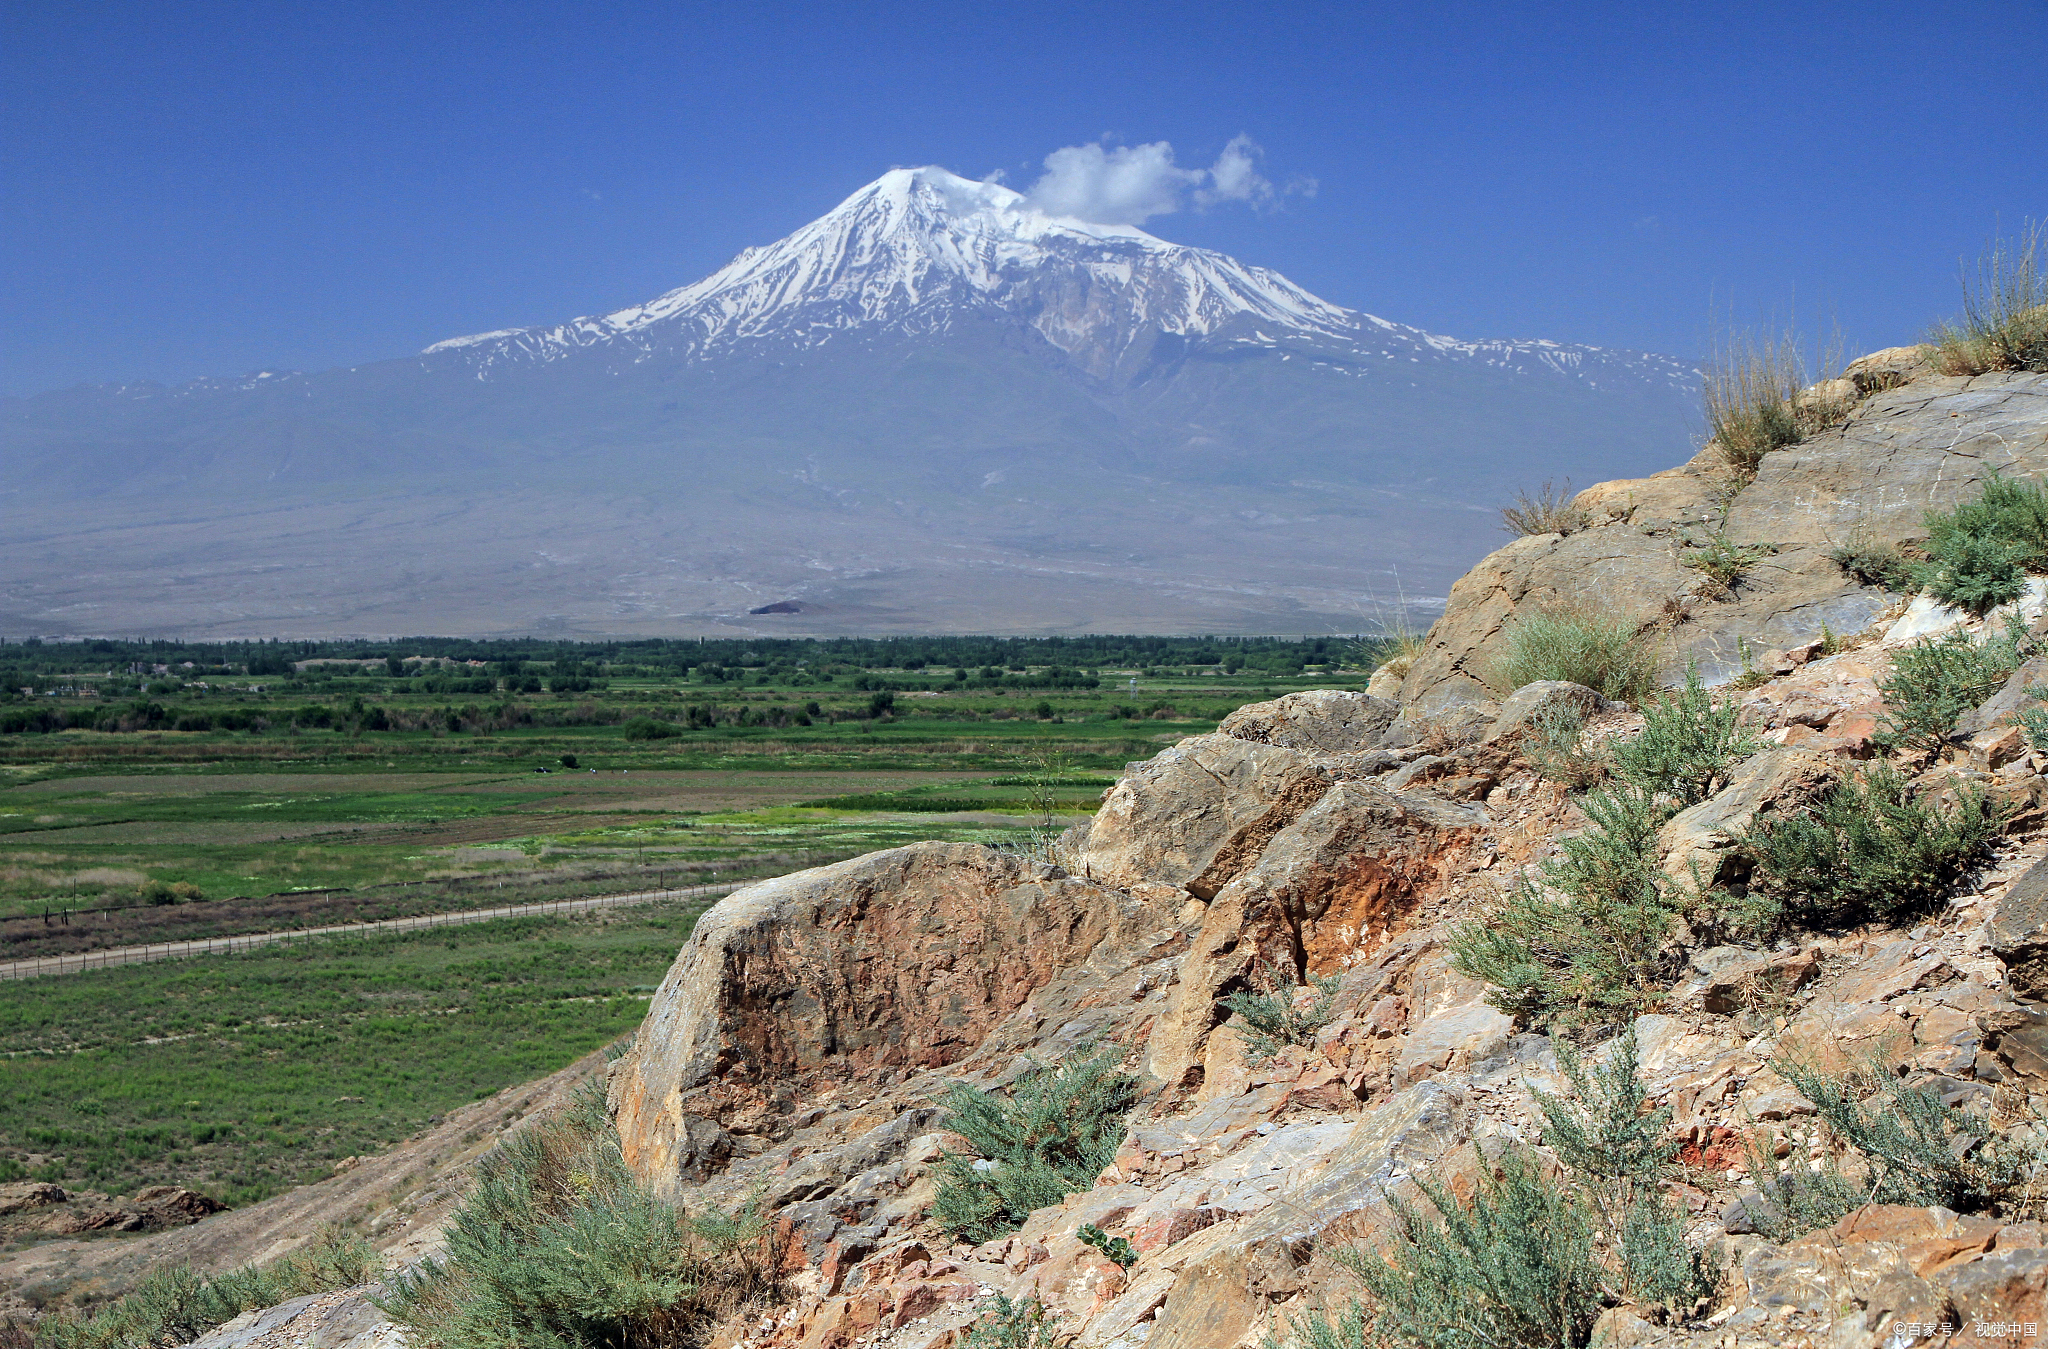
column 38, row 966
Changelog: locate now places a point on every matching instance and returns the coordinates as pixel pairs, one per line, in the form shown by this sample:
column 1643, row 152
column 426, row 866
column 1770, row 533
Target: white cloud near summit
column 1129, row 184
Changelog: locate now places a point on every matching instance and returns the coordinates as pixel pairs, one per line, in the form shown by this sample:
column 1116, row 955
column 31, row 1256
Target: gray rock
column 2019, row 932
column 2011, row 699
column 1698, row 840
column 1331, row 721
column 1528, row 702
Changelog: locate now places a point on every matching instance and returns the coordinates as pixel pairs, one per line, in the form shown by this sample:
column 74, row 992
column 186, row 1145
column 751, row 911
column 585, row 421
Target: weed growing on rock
column 1757, row 401
column 1114, row 1249
column 1268, row 1018
column 1868, row 848
column 1547, row 511
column 1603, row 652
column 1593, row 941
column 559, row 1245
column 1725, row 562
column 1875, row 563
column 1048, row 1139
column 1688, row 742
column 2004, row 325
column 1555, row 746
column 1936, row 680
column 1022, row 1323
column 178, row 1304
column 1913, row 1150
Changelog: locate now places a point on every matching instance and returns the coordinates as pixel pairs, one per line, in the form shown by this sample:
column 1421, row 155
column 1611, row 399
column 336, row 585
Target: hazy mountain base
column 890, row 484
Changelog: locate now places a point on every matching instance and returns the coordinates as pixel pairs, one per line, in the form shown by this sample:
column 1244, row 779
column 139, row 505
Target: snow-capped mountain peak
column 915, row 248
column 919, row 250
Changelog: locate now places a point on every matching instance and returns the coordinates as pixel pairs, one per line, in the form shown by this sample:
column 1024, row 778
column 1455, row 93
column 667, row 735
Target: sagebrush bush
column 1554, row 743
column 1910, row 1149
column 1006, row 1323
column 1531, row 1260
column 1936, row 680
column 559, row 1245
column 1048, row 1139
column 1605, row 653
column 1549, row 510
column 178, row 1304
column 2004, row 324
column 1869, row 848
column 1267, row 1017
column 1688, row 742
column 1594, row 940
column 1980, row 551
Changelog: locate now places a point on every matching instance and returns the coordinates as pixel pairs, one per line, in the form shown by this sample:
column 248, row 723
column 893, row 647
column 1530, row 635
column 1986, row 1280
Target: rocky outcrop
column 1330, row 721
column 898, row 961
column 1905, row 449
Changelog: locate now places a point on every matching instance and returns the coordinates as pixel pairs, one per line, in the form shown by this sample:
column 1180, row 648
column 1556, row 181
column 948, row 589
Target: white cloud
column 1129, row 184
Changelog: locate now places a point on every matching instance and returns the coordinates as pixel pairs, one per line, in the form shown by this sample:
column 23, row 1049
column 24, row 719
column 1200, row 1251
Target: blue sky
column 210, row 188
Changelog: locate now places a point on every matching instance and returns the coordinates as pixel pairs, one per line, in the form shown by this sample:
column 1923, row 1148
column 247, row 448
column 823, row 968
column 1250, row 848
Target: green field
column 243, row 1075
column 300, row 794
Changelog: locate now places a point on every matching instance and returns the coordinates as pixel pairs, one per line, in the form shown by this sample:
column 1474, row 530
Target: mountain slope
column 932, row 407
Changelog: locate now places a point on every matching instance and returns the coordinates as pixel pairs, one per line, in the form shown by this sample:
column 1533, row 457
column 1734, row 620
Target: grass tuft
column 2004, row 323
column 1756, row 398
column 1548, row 510
column 1605, row 653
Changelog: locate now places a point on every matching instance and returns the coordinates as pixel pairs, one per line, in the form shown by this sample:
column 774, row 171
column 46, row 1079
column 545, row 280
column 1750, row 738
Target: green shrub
column 1868, row 848
column 177, row 1304
column 2004, row 325
column 2034, row 719
column 1268, row 1018
column 1980, row 550
column 1605, row 653
column 1875, row 563
column 1594, row 941
column 1547, row 511
column 1974, row 573
column 1911, row 1150
column 1689, row 740
column 1022, row 1323
column 649, row 728
column 1050, row 1138
column 558, row 1244
column 1516, row 1267
column 1936, row 680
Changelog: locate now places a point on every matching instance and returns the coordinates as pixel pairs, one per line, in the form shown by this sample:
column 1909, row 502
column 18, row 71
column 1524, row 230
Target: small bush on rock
column 1269, row 1019
column 1936, row 680
column 1048, row 1139
column 1688, row 742
column 1980, row 551
column 1005, row 1323
column 1875, row 563
column 1548, row 511
column 2005, row 313
column 178, row 1304
column 1554, row 743
column 558, row 1245
column 1870, row 848
column 1593, row 941
column 1604, row 653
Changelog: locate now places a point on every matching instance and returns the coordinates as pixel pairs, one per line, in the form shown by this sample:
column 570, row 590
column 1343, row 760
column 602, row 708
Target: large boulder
column 1696, row 844
column 1196, row 814
column 1330, row 721
column 1903, row 450
column 898, row 960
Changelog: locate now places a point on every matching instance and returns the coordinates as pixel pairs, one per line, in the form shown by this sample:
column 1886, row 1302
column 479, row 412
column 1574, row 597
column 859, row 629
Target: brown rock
column 900, row 958
column 1530, row 701
column 21, row 1195
column 1331, row 883
column 1694, row 845
column 2019, row 932
column 2003, row 1287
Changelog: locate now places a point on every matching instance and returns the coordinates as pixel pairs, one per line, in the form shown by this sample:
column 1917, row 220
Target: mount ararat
column 932, row 409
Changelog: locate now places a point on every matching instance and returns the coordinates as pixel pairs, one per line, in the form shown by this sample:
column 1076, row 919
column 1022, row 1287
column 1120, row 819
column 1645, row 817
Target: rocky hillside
column 1336, row 849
